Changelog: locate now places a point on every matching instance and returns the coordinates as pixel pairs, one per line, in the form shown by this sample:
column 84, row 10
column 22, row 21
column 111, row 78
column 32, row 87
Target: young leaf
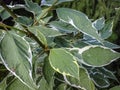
column 16, row 55
column 79, row 20
column 64, row 62
column 98, row 55
column 106, row 32
column 99, row 23
column 41, row 37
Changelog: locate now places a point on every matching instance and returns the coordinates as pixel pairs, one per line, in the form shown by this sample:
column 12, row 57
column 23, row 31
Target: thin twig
column 10, row 27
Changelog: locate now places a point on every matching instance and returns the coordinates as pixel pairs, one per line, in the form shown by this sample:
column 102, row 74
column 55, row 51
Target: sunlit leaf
column 63, row 62
column 79, row 20
column 98, row 55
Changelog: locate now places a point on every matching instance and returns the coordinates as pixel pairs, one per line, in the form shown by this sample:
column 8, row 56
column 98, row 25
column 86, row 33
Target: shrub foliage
column 54, row 48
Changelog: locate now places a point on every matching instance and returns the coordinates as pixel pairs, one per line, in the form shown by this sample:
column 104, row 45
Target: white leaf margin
column 29, row 59
column 70, row 21
column 81, row 50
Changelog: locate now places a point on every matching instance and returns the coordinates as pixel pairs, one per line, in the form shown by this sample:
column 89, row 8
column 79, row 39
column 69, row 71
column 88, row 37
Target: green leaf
column 101, row 76
column 62, row 87
column 48, row 70
column 79, row 43
column 44, row 85
column 41, row 37
column 91, row 41
column 99, row 23
column 98, row 55
column 25, row 20
column 111, row 45
column 17, row 85
column 62, row 26
column 33, row 7
column 100, row 80
column 105, row 44
column 115, row 88
column 61, row 42
column 51, row 2
column 48, row 32
column 79, row 20
column 106, row 73
column 4, row 14
column 16, row 55
column 42, row 15
column 38, row 33
column 106, row 32
column 82, row 81
column 64, row 62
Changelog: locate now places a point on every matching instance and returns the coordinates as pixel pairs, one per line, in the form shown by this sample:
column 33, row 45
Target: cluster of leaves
column 98, row 8
column 43, row 52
